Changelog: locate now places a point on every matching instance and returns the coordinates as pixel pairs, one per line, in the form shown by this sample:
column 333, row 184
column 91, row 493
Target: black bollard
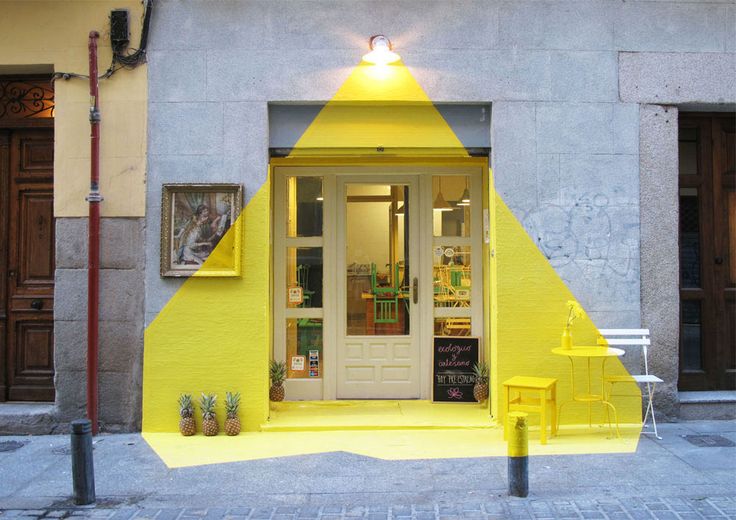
column 518, row 454
column 83, row 469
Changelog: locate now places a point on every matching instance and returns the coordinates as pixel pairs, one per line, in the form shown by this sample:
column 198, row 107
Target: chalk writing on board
column 453, row 377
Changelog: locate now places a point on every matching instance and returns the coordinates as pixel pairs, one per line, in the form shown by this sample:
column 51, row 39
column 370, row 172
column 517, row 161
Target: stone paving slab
column 657, row 508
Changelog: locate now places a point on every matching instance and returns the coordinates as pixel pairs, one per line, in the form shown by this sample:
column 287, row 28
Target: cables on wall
column 121, row 59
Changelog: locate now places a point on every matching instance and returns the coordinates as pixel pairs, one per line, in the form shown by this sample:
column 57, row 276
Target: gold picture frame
column 201, row 234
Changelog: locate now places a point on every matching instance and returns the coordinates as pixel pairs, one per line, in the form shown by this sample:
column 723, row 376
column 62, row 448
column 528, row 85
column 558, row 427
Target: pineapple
column 187, row 426
column 209, row 419
column 232, row 403
column 480, row 389
column 278, row 374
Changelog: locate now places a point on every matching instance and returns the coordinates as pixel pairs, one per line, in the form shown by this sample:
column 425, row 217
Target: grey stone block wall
column 570, row 173
column 660, row 295
column 121, row 322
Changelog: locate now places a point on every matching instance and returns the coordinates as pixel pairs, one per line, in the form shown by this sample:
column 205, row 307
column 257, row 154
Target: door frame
column 325, row 387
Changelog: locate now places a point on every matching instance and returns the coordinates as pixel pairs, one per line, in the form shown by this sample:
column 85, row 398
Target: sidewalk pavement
column 690, row 473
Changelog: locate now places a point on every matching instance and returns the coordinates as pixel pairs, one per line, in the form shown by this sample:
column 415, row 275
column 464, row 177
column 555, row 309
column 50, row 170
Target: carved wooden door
column 27, row 265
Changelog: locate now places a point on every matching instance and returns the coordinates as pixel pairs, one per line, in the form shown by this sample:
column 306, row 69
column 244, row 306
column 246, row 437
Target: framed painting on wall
column 200, row 230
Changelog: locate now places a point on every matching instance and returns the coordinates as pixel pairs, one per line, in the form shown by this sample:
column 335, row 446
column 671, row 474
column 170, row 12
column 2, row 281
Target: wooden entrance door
column 26, row 265
column 707, row 252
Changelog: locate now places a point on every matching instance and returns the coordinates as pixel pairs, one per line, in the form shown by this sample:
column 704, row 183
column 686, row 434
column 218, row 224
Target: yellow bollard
column 518, row 454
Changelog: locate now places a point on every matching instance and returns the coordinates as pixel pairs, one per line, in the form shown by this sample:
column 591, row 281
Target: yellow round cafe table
column 588, row 353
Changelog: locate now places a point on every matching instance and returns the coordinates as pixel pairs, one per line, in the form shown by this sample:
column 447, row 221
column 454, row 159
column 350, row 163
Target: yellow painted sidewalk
column 177, row 451
column 391, row 430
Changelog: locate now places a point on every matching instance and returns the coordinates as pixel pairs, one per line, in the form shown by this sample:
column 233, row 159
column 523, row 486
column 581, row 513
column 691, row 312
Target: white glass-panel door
column 378, row 353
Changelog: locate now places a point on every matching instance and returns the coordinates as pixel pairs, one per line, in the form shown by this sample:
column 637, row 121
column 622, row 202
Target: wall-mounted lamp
column 381, row 51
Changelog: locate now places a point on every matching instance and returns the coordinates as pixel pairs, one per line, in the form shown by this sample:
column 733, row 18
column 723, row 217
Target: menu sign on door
column 452, row 369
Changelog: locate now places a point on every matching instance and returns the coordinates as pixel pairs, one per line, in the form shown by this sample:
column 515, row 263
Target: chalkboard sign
column 452, row 369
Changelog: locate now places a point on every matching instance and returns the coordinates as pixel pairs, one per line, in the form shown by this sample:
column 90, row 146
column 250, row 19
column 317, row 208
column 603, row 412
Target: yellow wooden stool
column 538, row 404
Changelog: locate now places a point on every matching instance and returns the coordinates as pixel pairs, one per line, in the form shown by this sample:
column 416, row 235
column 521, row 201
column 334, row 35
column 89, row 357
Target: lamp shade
column 464, row 198
column 440, row 204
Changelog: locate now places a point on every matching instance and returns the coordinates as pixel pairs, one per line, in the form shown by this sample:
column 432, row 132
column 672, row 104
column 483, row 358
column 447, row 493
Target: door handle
column 415, row 290
column 718, row 260
column 37, row 305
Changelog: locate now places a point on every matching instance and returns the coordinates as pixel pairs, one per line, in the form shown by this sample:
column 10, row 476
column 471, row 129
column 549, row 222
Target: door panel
column 707, row 241
column 724, row 242
column 4, row 183
column 378, row 351
column 31, row 362
column 28, row 357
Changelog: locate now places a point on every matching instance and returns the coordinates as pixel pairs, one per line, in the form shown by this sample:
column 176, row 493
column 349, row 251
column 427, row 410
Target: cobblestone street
column 499, row 508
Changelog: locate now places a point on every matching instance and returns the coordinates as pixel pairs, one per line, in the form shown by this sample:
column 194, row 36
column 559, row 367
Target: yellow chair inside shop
column 452, row 285
column 531, row 395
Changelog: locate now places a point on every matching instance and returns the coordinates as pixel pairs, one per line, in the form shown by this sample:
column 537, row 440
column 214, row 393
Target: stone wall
column 121, row 322
column 660, row 275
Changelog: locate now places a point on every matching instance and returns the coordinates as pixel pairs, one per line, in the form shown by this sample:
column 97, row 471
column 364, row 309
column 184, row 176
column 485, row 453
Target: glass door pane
column 377, row 260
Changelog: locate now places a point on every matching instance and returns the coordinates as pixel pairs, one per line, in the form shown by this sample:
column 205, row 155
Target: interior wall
column 368, row 226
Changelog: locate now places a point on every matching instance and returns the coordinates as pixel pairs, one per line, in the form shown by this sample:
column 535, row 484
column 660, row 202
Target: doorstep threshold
column 707, row 397
column 14, row 408
column 375, row 415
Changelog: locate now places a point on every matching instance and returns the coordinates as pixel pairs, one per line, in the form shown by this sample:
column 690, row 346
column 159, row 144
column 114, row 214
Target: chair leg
column 505, row 411
column 553, row 402
column 543, row 416
column 650, row 407
column 606, row 397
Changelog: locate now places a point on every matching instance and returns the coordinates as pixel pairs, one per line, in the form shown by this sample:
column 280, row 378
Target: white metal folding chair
column 634, row 338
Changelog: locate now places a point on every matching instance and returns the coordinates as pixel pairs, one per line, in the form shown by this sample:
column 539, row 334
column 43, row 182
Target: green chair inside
column 385, row 298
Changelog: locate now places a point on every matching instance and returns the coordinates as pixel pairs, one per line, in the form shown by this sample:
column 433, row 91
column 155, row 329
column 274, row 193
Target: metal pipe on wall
column 93, row 267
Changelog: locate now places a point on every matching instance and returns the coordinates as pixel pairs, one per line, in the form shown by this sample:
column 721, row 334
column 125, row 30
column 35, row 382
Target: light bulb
column 381, row 53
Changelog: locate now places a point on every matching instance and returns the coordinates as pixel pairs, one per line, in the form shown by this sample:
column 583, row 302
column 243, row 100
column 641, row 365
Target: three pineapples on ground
column 210, row 427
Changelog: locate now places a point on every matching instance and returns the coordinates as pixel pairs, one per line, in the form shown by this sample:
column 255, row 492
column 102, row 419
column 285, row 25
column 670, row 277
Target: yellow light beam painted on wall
column 529, row 317
column 214, row 334
column 379, row 110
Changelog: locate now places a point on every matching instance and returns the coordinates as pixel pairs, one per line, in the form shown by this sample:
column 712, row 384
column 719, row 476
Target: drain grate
column 11, row 445
column 709, row 441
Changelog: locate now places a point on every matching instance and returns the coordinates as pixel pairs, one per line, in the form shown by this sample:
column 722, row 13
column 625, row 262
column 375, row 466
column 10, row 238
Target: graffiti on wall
column 590, row 244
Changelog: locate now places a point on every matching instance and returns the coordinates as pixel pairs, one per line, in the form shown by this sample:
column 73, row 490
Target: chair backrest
column 629, row 337
column 302, row 275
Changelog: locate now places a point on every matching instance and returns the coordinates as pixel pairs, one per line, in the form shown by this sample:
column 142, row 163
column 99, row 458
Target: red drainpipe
column 93, row 271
